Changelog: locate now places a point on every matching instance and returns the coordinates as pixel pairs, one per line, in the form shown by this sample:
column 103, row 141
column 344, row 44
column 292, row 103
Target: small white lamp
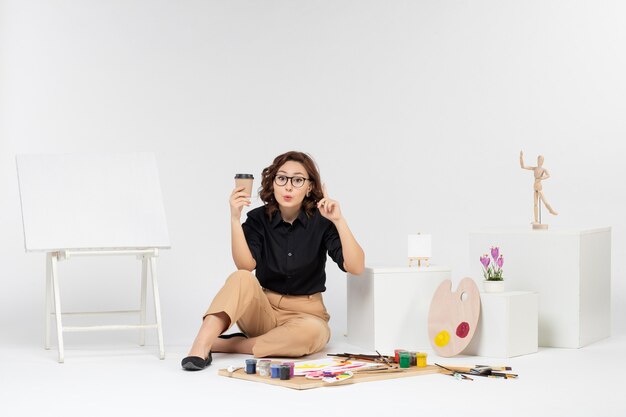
column 419, row 249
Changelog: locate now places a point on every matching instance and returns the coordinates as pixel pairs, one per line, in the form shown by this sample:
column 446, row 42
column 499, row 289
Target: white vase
column 493, row 286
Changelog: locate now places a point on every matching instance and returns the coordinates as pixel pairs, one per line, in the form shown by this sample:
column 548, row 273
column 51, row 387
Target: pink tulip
column 500, row 261
column 495, row 252
column 485, row 260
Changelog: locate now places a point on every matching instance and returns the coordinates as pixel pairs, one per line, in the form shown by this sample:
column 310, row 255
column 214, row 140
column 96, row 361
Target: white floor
column 125, row 380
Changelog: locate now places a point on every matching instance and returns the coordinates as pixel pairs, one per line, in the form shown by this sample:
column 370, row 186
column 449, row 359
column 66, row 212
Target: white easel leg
column 142, row 312
column 57, row 305
column 157, row 306
column 48, row 296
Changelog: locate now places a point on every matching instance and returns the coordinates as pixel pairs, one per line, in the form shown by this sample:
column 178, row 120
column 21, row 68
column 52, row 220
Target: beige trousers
column 284, row 325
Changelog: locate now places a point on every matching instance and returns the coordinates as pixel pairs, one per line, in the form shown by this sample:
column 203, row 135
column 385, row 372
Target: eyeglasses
column 297, row 182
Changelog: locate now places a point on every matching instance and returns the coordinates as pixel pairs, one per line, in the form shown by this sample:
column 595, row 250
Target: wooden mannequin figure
column 540, row 174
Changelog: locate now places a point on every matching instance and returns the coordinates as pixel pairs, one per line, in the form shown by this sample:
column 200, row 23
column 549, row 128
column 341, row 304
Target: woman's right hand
column 238, row 199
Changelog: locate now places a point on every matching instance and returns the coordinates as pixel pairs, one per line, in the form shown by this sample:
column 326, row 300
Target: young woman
column 280, row 309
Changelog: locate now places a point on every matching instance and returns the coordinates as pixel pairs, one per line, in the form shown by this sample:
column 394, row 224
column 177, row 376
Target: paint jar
column 264, row 367
column 413, row 358
column 421, row 360
column 405, row 359
column 292, row 367
column 396, row 353
column 251, row 366
column 275, row 370
column 285, row 371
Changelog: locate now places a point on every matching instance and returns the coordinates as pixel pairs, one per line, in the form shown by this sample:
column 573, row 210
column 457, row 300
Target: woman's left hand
column 329, row 208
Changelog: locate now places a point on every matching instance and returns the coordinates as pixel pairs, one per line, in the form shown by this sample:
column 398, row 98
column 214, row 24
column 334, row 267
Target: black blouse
column 291, row 258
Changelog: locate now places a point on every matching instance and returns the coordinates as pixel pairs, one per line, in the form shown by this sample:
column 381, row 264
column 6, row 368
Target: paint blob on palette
column 453, row 317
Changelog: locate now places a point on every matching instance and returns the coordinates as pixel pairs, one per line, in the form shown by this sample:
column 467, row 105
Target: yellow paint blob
column 442, row 338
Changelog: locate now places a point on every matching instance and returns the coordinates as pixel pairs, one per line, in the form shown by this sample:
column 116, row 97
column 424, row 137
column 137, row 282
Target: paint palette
column 453, row 317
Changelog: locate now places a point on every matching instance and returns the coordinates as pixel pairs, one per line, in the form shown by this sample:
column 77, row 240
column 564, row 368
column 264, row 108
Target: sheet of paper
column 330, row 365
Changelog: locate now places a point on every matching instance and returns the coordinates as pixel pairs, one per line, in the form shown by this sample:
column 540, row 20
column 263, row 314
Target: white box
column 508, row 325
column 388, row 307
column 571, row 271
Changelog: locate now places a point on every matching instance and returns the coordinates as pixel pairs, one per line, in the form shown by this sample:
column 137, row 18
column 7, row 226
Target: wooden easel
column 419, row 261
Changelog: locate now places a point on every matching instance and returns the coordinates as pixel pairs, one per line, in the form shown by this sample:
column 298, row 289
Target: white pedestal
column 508, row 325
column 571, row 271
column 388, row 307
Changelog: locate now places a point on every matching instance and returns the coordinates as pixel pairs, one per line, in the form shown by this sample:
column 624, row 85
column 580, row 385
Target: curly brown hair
column 266, row 192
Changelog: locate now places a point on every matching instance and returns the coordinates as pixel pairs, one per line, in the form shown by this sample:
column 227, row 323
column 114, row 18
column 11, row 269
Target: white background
column 415, row 112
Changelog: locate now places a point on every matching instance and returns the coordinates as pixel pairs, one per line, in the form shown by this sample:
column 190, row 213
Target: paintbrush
column 384, row 370
column 504, row 375
column 358, row 356
column 483, row 371
column 466, row 368
column 384, row 359
column 496, row 368
column 479, row 369
column 458, row 375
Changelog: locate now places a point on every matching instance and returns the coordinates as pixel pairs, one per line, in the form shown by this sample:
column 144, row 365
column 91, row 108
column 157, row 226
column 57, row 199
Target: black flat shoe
column 196, row 363
column 228, row 336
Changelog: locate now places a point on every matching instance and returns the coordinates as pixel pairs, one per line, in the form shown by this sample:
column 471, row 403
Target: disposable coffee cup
column 244, row 180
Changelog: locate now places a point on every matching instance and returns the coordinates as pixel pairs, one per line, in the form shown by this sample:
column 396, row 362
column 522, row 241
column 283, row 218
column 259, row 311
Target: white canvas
column 91, row 201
